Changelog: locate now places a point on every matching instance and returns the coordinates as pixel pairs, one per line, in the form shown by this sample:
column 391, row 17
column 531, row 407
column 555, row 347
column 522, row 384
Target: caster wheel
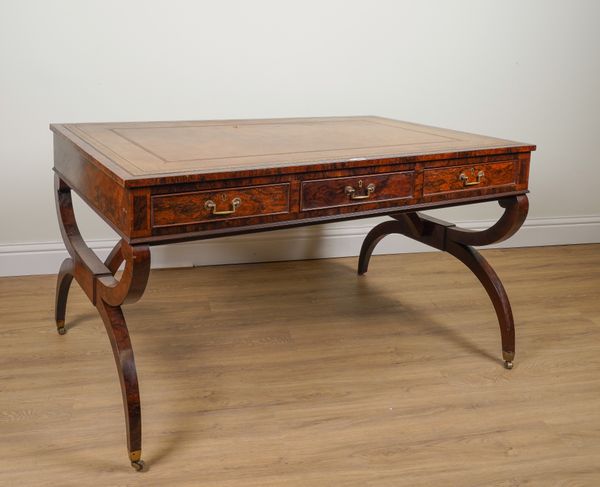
column 61, row 330
column 508, row 365
column 139, row 465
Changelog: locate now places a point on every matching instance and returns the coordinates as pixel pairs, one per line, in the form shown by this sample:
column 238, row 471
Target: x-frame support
column 458, row 242
column 97, row 279
column 107, row 293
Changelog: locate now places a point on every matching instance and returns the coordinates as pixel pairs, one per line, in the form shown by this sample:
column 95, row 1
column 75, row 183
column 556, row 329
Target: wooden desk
column 163, row 182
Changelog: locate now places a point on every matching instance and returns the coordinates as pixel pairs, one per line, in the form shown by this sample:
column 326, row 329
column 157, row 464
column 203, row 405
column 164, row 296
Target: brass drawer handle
column 350, row 191
column 211, row 206
column 465, row 179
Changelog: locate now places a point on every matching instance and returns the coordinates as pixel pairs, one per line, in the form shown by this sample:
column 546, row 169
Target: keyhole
column 223, row 197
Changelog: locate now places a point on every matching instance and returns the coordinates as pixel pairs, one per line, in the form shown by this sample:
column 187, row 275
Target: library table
column 156, row 183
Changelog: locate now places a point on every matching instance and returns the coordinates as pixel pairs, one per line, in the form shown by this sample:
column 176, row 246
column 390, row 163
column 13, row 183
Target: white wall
column 524, row 70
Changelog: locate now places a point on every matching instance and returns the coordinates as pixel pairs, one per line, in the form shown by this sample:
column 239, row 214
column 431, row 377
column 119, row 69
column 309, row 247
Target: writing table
column 156, row 183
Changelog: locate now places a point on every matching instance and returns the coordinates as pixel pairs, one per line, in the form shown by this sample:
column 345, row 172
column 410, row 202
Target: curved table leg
column 64, row 279
column 97, row 279
column 495, row 290
column 457, row 242
column 63, row 284
column 116, row 328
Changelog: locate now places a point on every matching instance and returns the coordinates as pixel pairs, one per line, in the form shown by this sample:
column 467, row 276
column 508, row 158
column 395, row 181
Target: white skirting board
column 335, row 240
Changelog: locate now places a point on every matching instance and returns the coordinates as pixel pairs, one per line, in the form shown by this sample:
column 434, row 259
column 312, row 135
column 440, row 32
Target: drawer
column 327, row 193
column 470, row 177
column 227, row 204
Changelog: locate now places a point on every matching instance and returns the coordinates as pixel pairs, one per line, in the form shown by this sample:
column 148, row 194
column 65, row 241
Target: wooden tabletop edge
column 126, row 179
column 333, row 164
column 100, row 160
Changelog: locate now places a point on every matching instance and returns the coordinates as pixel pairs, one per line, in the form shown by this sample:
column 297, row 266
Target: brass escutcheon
column 351, row 192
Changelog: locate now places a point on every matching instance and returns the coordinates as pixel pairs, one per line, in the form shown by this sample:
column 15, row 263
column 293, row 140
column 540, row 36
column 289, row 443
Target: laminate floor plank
column 305, row 374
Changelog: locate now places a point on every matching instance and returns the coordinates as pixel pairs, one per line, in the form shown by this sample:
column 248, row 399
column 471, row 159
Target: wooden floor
column 303, row 374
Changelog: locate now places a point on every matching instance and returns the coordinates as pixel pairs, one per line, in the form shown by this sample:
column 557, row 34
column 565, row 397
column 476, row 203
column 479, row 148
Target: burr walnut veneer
column 163, row 182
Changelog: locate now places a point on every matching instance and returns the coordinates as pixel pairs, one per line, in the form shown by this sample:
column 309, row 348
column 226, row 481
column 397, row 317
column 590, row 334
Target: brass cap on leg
column 136, row 462
column 60, row 327
column 508, row 359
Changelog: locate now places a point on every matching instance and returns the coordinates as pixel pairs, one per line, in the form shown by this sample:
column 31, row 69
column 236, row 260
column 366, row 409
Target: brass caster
column 508, row 359
column 60, row 327
column 139, row 465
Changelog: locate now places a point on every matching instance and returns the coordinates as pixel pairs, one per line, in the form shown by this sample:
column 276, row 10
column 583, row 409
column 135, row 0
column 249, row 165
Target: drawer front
column 227, row 204
column 328, row 193
column 469, row 177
